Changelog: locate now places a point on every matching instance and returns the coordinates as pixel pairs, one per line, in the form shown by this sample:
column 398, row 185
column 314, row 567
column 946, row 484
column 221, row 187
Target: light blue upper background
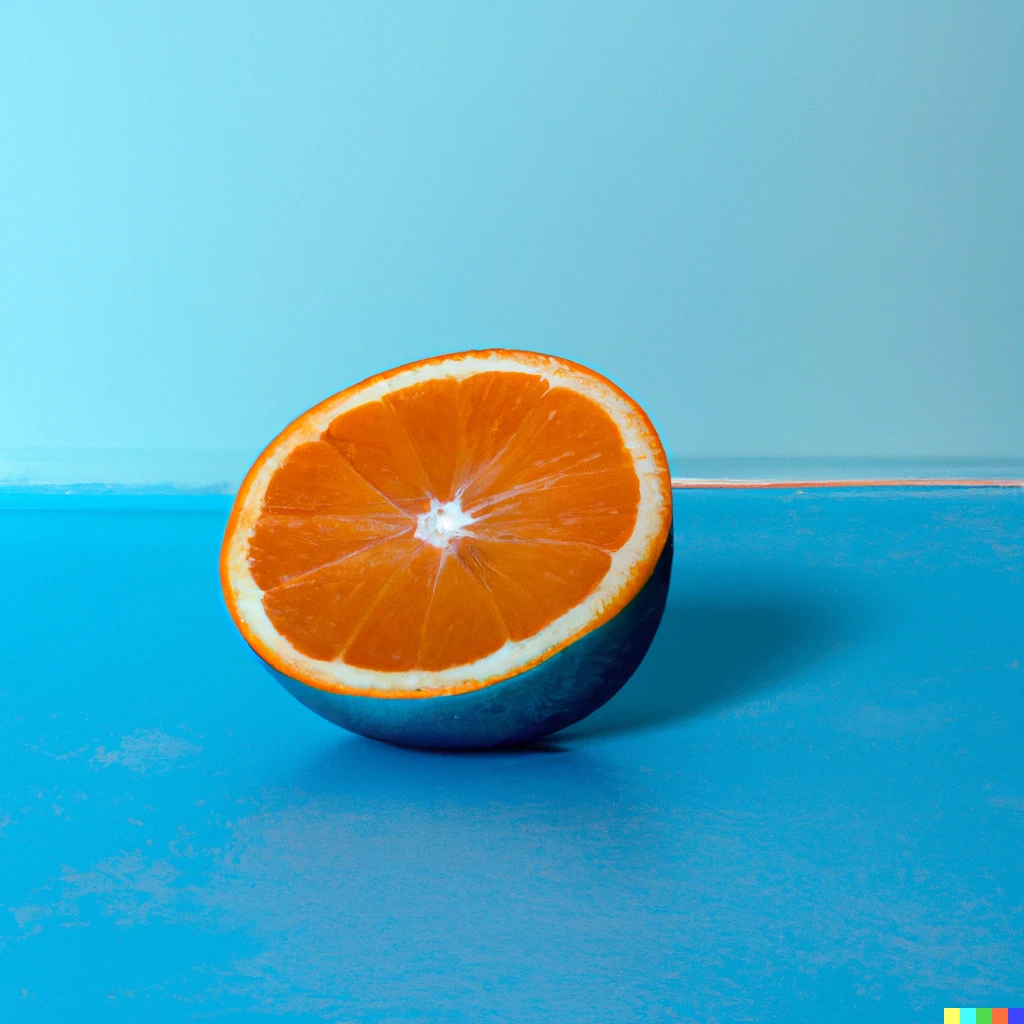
column 786, row 228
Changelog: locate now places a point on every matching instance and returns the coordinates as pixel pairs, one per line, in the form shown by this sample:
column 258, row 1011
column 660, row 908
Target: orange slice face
column 446, row 525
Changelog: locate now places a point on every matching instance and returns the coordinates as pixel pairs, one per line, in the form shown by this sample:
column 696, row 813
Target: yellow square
column 951, row 1015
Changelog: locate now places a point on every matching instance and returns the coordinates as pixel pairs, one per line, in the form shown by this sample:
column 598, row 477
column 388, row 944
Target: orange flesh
column 541, row 470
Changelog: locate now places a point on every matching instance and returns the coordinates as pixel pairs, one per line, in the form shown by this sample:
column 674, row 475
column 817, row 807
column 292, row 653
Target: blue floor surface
column 808, row 805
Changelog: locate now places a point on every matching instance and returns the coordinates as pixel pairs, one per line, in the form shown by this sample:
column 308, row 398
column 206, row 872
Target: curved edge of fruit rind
column 626, row 594
column 559, row 692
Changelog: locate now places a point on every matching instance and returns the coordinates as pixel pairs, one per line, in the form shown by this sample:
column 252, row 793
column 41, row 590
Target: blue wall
column 787, row 228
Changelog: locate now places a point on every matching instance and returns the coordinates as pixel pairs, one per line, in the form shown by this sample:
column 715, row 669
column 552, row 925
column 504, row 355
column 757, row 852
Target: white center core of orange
column 441, row 523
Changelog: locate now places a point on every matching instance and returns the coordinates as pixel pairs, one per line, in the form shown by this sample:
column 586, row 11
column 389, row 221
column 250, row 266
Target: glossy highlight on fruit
column 466, row 551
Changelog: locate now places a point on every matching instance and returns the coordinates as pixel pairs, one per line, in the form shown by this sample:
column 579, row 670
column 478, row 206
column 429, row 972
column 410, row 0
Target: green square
column 983, row 1015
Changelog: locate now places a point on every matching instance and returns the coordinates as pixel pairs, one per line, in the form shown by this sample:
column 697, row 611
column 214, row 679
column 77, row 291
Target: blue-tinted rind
column 562, row 690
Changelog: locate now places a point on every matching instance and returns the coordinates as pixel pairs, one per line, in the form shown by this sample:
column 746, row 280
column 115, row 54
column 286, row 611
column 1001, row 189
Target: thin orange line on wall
column 685, row 483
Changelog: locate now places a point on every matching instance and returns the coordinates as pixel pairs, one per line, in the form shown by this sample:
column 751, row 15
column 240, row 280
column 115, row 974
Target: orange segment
column 315, row 478
column 435, row 517
column 595, row 507
column 564, row 435
column 532, row 584
column 493, row 408
column 371, row 440
column 462, row 617
column 429, row 416
column 390, row 631
column 284, row 547
column 319, row 612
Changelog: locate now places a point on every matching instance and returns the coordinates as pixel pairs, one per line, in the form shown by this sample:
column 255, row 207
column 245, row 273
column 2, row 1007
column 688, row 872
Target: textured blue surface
column 808, row 804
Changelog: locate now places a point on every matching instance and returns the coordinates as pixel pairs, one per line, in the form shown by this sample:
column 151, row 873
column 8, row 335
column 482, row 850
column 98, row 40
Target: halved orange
column 446, row 526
